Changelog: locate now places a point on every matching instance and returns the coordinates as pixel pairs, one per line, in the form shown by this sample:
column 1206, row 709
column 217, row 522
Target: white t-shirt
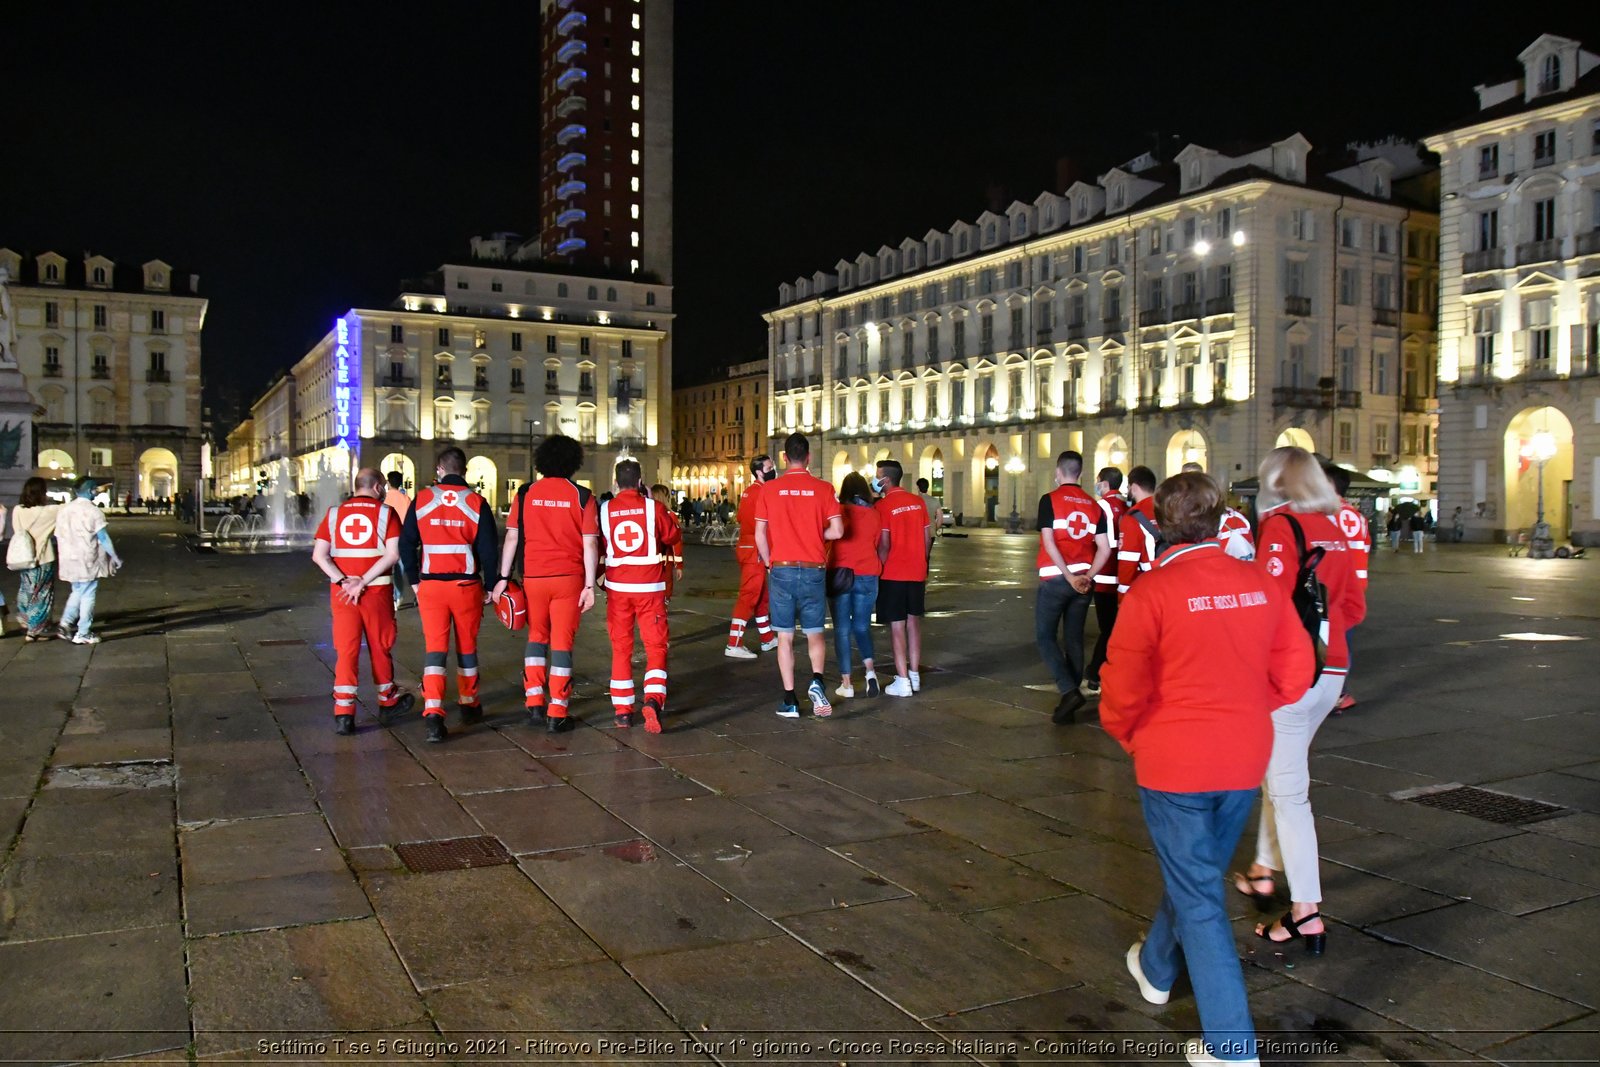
column 78, row 527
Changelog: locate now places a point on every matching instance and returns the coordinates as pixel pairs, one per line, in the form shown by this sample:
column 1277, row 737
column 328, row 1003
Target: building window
column 158, row 410
column 52, row 313
column 1485, row 326
column 1014, row 390
column 1383, row 292
column 1544, row 219
column 552, row 380
column 1219, row 371
column 930, row 401
column 586, row 382
column 1294, row 372
column 397, row 334
column 1347, row 368
column 100, row 365
column 516, row 341
column 397, row 372
column 1536, row 315
column 480, row 378
column 1111, row 382
column 1302, row 225
column 1382, row 233
column 958, row 398
column 495, row 286
column 1550, row 74
column 1158, row 293
column 158, row 321
column 1349, row 233
column 883, row 407
column 1380, row 376
column 550, row 343
column 52, row 272
column 99, row 316
column 52, row 365
column 99, row 276
column 586, row 425
column 1347, row 437
column 1544, row 148
column 1017, row 340
column 986, row 333
column 1225, row 281
column 444, row 337
column 1488, row 230
column 100, row 409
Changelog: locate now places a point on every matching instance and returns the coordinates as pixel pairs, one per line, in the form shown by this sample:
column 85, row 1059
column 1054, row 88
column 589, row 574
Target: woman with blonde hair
column 1300, row 514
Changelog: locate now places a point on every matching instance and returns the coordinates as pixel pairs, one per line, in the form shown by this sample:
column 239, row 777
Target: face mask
column 769, row 474
column 877, row 486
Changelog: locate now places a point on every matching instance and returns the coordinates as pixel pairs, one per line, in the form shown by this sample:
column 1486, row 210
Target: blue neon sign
column 347, row 382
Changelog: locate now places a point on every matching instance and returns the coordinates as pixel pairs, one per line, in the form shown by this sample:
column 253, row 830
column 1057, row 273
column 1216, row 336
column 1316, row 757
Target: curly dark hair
column 558, row 456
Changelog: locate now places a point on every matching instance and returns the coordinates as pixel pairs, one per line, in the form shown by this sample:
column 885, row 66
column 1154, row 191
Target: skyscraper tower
column 605, row 100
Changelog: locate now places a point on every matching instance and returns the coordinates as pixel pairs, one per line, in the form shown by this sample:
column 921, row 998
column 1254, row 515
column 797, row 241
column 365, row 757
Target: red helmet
column 511, row 606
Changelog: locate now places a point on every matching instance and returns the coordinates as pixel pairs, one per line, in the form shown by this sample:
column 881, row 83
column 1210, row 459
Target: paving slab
column 804, row 751
column 451, row 927
column 213, row 684
column 203, row 798
column 389, row 767
column 544, row 820
column 693, row 823
column 886, row 781
column 948, row 872
column 11, row 812
column 20, row 777
column 789, row 875
column 740, row 773
column 1571, row 1042
column 1110, row 870
column 831, row 816
column 1335, row 768
column 268, row 872
column 1503, row 888
column 94, row 997
column 581, row 741
column 382, row 816
column 464, row 773
column 636, row 787
column 1106, row 814
column 1543, row 851
column 1074, row 1025
column 927, row 962
column 68, row 821
column 1553, row 787
column 1462, row 756
column 1580, row 828
column 1417, row 822
column 675, row 740
column 635, row 900
column 297, row 982
column 47, row 895
column 993, row 825
column 1078, row 934
column 1298, row 1024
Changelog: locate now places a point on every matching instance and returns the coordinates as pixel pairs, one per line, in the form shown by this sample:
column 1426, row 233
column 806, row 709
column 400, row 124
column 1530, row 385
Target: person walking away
column 1358, row 540
column 447, row 546
column 85, row 555
column 1458, row 527
column 935, row 514
column 357, row 545
column 752, row 600
column 904, row 546
column 34, row 517
column 556, row 522
column 795, row 517
column 857, row 552
column 395, row 497
column 638, row 533
column 672, row 550
column 1074, row 546
column 1234, row 530
column 1419, row 528
column 1302, row 516
column 1108, row 493
column 3, row 540
column 1137, row 533
column 1205, row 647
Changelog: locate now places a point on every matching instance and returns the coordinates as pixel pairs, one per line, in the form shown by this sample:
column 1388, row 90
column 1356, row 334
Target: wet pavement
column 196, row 869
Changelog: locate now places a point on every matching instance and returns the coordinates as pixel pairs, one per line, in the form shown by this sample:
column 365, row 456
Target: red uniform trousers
column 371, row 617
column 649, row 610
column 552, row 627
column 445, row 606
column 752, row 600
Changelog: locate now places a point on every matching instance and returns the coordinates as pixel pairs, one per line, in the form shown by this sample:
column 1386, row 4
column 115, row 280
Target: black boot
column 470, row 713
column 558, row 725
column 536, row 715
column 387, row 715
column 436, row 730
column 1068, row 707
column 344, row 725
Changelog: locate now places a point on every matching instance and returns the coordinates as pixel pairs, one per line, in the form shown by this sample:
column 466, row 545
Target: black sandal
column 1263, row 900
column 1315, row 943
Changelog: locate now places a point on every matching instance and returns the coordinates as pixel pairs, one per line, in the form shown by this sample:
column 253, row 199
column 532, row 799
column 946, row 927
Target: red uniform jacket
column 638, row 533
column 1205, row 648
column 744, row 549
column 1234, row 533
column 452, row 530
column 1072, row 517
column 1138, row 546
column 1115, row 505
column 356, row 532
column 1347, row 599
column 1358, row 537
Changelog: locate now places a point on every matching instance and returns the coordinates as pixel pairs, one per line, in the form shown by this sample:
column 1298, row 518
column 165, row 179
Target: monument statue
column 16, row 404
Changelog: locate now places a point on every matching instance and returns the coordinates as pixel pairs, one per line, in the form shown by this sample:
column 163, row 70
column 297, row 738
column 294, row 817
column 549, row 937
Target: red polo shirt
column 552, row 516
column 905, row 519
column 796, row 508
column 858, row 548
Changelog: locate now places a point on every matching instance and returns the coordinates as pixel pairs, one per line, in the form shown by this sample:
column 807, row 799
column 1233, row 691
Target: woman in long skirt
column 36, row 598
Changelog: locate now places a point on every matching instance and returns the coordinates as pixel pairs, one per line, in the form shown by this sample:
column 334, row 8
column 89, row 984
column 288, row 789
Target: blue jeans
column 80, row 606
column 1058, row 607
column 797, row 595
column 852, row 617
column 1194, row 835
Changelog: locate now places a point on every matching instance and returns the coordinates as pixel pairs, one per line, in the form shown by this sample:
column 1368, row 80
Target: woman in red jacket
column 1203, row 650
column 1298, row 494
column 852, row 611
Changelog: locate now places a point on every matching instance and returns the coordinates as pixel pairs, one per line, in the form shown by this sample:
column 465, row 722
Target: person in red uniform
column 448, row 549
column 904, row 547
column 1353, row 524
column 672, row 551
column 796, row 516
column 1074, row 546
column 357, row 545
column 1108, row 493
column 1137, row 531
column 639, row 532
column 1301, row 500
column 856, row 552
column 753, row 595
column 1205, row 648
column 557, row 523
column 1234, row 530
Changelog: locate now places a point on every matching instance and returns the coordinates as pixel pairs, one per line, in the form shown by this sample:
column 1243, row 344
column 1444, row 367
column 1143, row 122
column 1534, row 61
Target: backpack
column 1153, row 530
column 1311, row 598
column 22, row 554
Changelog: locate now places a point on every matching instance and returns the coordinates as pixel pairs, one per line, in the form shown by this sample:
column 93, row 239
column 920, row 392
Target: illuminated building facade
column 1519, row 359
column 1206, row 308
column 717, row 428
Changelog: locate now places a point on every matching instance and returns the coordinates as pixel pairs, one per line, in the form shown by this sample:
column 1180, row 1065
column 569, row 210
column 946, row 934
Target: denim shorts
column 797, row 594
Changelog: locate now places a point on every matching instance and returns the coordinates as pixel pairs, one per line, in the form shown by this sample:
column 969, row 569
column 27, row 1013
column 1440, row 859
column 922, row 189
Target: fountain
column 273, row 521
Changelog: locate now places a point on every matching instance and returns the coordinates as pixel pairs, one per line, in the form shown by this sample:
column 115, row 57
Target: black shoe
column 344, row 725
column 536, row 716
column 470, row 712
column 1068, row 707
column 558, row 724
column 436, row 729
column 387, row 715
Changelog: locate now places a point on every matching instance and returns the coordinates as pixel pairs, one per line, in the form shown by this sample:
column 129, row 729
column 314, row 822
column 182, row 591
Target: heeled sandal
column 1245, row 886
column 1315, row 943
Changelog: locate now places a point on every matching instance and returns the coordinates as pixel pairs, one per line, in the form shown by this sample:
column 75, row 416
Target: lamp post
column 1541, row 449
column 1015, row 466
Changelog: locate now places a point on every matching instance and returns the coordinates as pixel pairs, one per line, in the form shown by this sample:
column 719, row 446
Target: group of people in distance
column 1215, row 683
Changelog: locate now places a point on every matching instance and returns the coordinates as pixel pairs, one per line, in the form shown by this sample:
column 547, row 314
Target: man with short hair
column 1108, row 494
column 357, row 546
column 935, row 514
column 903, row 546
column 1234, row 532
column 1138, row 534
column 447, row 547
column 84, row 555
column 753, row 592
column 395, row 496
column 795, row 516
column 1074, row 546
column 1358, row 539
column 672, row 551
column 639, row 533
column 557, row 523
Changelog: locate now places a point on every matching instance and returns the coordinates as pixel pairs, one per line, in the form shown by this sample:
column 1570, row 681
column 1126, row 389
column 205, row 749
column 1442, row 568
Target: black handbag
column 840, row 580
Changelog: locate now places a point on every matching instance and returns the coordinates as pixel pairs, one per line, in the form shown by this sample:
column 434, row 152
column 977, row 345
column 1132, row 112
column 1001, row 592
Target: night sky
column 305, row 161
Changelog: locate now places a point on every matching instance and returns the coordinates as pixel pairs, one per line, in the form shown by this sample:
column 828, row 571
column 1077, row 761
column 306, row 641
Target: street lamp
column 1541, row 449
column 1015, row 466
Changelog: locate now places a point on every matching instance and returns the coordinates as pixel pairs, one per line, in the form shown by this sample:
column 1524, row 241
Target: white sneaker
column 738, row 652
column 769, row 645
column 819, row 700
column 86, row 639
column 900, row 687
column 916, row 681
column 844, row 689
column 1195, row 1052
column 1146, row 990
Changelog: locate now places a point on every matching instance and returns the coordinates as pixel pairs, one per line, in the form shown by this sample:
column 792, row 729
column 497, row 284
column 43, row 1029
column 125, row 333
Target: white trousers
column 1287, row 837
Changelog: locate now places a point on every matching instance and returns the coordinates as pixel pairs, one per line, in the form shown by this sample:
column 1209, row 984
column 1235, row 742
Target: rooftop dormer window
column 52, row 272
column 1550, row 74
column 98, row 276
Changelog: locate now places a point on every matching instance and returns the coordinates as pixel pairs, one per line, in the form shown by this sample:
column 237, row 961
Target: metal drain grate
column 282, row 641
column 456, row 854
column 1488, row 805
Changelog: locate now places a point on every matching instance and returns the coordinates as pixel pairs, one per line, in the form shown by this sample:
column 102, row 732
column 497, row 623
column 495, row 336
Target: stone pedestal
column 16, row 433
